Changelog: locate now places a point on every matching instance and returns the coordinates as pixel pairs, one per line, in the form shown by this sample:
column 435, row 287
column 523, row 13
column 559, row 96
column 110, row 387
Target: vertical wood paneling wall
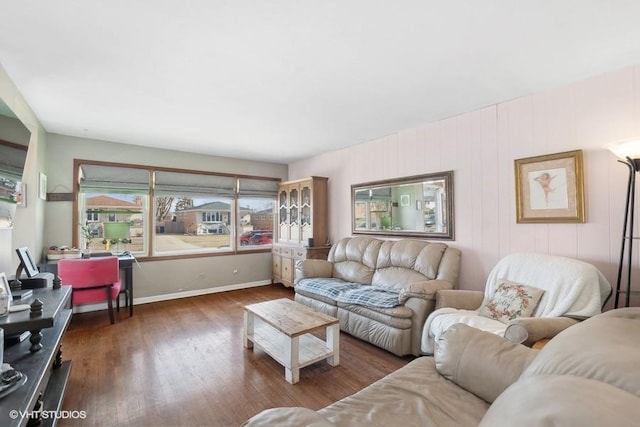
column 481, row 147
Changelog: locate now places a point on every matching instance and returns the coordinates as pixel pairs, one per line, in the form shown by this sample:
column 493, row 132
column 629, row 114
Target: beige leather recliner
column 381, row 291
column 573, row 290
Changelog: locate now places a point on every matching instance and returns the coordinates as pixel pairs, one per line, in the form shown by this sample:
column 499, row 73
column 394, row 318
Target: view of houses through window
column 188, row 216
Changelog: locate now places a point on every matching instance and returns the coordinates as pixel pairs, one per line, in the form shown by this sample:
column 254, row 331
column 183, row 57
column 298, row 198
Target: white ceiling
column 287, row 79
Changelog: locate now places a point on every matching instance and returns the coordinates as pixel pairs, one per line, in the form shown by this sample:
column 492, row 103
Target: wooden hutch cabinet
column 302, row 226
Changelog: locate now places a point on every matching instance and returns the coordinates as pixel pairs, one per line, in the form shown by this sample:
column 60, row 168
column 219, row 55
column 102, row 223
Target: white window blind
column 113, row 179
column 193, row 185
column 12, row 162
column 251, row 187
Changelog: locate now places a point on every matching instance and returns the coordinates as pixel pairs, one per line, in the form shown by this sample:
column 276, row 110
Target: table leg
column 292, row 359
column 128, row 283
column 247, row 331
column 333, row 344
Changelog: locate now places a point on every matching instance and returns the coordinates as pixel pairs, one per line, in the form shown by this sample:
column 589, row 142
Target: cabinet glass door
column 294, row 214
column 283, row 216
column 306, row 212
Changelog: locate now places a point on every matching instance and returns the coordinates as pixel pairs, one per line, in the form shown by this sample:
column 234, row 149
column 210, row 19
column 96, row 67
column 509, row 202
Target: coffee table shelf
column 282, row 329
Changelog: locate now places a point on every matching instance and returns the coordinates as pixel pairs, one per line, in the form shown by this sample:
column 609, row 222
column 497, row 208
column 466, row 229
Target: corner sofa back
column 372, row 261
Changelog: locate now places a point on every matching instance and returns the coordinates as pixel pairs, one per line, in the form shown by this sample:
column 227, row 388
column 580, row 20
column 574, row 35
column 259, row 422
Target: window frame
column 150, row 233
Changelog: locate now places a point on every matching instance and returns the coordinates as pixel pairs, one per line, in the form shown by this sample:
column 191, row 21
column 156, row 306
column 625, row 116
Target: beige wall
column 159, row 277
column 480, row 147
column 29, row 220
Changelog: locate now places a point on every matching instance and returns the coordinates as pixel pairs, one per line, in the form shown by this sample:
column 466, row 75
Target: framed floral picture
column 550, row 188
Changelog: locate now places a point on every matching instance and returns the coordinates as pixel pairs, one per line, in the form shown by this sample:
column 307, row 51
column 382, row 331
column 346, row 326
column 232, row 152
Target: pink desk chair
column 92, row 280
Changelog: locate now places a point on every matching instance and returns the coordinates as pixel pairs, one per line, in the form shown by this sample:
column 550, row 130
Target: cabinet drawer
column 299, row 253
column 286, row 252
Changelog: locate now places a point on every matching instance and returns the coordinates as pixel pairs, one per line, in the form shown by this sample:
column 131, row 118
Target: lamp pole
column 629, row 213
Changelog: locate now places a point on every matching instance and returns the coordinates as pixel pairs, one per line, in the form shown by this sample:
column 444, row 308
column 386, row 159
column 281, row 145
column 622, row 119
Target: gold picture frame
column 550, row 188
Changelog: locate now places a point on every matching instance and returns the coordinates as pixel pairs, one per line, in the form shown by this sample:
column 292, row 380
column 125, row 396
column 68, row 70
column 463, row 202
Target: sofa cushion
column 328, row 288
column 480, row 362
column 511, row 300
column 354, row 258
column 349, row 293
column 562, row 400
column 370, row 296
column 406, row 261
column 416, row 395
column 444, row 318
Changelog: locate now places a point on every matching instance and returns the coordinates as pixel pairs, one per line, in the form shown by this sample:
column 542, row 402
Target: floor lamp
column 628, row 152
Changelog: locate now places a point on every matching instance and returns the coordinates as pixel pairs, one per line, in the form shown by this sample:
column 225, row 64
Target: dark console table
column 39, row 357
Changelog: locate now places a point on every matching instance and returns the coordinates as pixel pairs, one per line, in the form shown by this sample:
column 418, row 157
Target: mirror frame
column 449, row 216
column 18, row 139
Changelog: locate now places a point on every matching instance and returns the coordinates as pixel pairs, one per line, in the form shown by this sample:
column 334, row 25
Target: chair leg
column 110, row 304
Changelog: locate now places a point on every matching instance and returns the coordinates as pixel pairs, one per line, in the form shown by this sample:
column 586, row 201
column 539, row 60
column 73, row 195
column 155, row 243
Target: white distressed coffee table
column 282, row 329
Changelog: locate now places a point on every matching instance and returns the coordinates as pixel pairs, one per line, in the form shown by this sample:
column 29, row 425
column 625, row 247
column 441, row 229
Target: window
column 193, row 212
column 112, row 205
column 92, row 215
column 189, row 213
column 256, row 207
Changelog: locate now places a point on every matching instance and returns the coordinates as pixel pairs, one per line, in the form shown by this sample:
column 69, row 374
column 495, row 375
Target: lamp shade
column 628, row 148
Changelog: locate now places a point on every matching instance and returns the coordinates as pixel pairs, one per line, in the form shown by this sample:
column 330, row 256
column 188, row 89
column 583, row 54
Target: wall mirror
column 420, row 206
column 14, row 142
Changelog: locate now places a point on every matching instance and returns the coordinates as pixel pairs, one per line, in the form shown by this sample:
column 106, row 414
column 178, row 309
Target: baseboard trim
column 85, row 308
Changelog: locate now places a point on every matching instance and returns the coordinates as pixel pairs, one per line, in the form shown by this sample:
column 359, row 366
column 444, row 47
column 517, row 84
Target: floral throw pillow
column 511, row 300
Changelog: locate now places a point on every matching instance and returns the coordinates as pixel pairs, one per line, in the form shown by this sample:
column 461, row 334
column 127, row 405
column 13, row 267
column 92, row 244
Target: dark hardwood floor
column 182, row 363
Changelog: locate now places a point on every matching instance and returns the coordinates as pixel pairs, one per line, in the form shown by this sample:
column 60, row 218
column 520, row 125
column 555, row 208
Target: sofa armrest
column 460, row 299
column 482, row 363
column 528, row 330
column 424, row 290
column 306, row 268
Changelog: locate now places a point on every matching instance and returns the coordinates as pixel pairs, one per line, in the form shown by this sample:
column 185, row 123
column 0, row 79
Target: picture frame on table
column 550, row 188
column 27, row 261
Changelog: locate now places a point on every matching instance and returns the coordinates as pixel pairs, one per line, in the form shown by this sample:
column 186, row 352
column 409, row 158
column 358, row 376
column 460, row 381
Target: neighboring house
column 262, row 220
column 104, row 209
column 208, row 218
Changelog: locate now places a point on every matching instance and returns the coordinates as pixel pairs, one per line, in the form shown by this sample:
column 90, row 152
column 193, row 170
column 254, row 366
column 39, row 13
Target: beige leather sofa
column 588, row 375
column 381, row 291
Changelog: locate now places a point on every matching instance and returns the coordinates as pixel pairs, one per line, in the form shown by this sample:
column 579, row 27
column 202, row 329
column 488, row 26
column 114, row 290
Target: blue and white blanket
column 351, row 293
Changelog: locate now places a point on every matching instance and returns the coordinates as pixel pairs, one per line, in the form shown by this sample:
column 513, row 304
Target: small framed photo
column 405, row 200
column 26, row 259
column 42, row 186
column 550, row 188
column 4, row 283
column 21, row 197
